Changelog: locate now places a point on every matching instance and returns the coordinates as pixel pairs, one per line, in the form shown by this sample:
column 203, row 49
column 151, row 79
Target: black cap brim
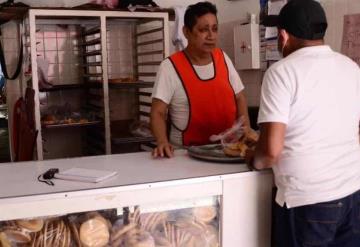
column 270, row 21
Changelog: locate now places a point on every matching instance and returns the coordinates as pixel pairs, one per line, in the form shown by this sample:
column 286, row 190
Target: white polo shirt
column 170, row 90
column 316, row 93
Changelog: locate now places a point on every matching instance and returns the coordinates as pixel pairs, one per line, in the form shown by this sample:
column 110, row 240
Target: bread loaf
column 94, row 232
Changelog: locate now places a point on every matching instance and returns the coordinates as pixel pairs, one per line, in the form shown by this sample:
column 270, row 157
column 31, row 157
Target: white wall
column 228, row 10
column 335, row 11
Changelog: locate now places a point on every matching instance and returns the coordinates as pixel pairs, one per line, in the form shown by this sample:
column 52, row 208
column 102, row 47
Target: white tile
column 62, row 44
column 50, row 44
column 53, row 70
column 49, row 31
column 40, row 45
column 51, row 56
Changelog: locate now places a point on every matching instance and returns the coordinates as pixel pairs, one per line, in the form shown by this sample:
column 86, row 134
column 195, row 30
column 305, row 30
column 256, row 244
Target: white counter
column 133, row 169
column 244, row 196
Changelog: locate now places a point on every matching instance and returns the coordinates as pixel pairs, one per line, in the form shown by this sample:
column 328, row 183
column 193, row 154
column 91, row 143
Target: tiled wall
column 58, row 46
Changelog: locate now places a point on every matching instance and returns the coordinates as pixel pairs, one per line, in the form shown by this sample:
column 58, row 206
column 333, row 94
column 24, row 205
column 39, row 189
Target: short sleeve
column 275, row 100
column 164, row 86
column 234, row 77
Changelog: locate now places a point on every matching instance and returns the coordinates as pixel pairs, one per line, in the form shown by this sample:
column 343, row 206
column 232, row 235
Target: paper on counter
column 85, row 175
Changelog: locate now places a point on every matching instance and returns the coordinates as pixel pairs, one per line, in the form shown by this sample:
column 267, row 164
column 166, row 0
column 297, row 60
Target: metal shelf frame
column 40, row 15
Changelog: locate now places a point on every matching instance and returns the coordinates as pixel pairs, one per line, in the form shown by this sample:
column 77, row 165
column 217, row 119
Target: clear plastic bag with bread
column 51, row 231
column 237, row 139
column 189, row 227
column 93, row 230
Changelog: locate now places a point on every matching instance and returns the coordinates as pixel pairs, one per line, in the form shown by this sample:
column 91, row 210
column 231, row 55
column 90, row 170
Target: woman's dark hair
column 197, row 10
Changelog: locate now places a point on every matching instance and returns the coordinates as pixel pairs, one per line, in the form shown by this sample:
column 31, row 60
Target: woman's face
column 203, row 36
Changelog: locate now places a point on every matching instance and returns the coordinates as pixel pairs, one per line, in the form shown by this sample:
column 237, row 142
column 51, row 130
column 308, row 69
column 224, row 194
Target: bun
column 140, row 239
column 94, row 232
column 49, row 119
column 4, row 242
column 238, row 149
column 17, row 235
column 33, row 225
column 204, row 214
column 75, row 234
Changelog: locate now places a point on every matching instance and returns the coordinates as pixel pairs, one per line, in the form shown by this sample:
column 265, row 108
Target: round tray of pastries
column 229, row 153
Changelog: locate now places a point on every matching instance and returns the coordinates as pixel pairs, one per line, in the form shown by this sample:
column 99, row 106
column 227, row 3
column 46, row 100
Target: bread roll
column 204, row 214
column 4, row 242
column 17, row 235
column 75, row 234
column 236, row 150
column 33, row 225
column 140, row 239
column 94, row 232
column 119, row 231
column 49, row 119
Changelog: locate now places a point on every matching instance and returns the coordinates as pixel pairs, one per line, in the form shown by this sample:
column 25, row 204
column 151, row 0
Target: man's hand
column 249, row 159
column 163, row 150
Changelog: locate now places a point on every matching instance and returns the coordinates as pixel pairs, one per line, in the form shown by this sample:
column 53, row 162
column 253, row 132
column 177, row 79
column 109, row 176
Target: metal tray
column 214, row 153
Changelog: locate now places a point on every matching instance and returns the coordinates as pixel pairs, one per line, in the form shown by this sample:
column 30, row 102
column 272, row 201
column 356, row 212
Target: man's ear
column 283, row 35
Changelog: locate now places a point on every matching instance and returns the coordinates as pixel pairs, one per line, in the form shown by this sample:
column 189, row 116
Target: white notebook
column 85, row 175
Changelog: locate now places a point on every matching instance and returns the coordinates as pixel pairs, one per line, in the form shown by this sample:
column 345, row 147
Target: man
column 309, row 123
column 198, row 88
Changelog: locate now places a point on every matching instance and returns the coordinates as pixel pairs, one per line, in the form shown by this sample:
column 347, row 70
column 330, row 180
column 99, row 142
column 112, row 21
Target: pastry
column 211, row 236
column 236, row 149
column 204, row 214
column 139, row 238
column 75, row 234
column 17, row 235
column 251, row 138
column 68, row 121
column 4, row 242
column 49, row 119
column 151, row 221
column 239, row 148
column 120, row 231
column 83, row 120
column 94, row 232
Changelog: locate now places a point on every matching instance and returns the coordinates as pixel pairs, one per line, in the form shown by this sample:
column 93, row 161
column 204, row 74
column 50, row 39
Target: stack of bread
column 195, row 227
column 239, row 148
column 20, row 232
column 95, row 231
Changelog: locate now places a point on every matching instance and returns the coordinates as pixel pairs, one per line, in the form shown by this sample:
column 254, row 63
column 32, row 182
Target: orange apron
column 212, row 102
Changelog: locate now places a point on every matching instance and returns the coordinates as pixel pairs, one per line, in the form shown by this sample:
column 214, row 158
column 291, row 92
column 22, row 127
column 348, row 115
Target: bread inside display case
column 173, row 225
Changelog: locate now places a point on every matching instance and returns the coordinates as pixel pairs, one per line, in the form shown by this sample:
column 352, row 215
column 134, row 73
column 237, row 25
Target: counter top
column 20, row 179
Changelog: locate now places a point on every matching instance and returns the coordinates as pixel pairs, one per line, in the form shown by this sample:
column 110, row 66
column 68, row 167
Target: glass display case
column 174, row 224
column 167, row 202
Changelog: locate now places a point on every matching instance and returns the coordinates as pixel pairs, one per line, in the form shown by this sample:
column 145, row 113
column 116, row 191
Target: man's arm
column 158, row 126
column 270, row 145
column 242, row 108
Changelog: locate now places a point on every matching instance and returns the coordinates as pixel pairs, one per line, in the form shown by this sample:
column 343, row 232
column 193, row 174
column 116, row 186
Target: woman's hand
column 158, row 127
column 163, row 150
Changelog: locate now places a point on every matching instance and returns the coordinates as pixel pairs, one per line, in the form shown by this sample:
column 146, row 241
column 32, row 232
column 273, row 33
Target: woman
column 198, row 88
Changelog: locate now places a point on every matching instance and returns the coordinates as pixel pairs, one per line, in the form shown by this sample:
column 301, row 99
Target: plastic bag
column 53, row 231
column 231, row 135
column 95, row 230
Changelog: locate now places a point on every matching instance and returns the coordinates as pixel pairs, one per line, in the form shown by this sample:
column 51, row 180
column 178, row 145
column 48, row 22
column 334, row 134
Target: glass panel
column 192, row 223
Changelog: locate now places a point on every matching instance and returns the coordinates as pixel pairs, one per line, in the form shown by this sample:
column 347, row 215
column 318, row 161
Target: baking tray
column 213, row 153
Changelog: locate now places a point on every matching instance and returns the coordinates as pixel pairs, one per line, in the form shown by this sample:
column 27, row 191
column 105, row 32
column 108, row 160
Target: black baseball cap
column 304, row 19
